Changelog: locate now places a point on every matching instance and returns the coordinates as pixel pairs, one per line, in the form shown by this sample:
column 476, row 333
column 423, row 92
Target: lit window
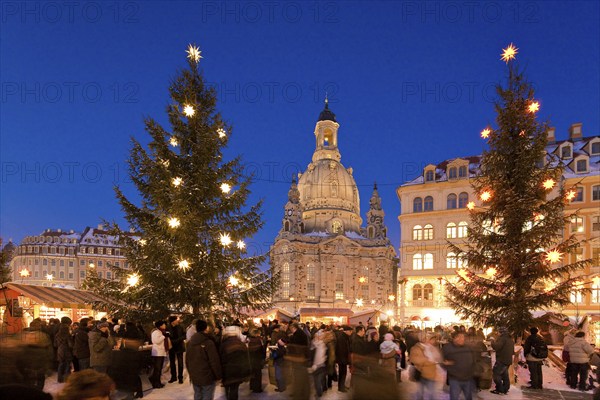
column 428, row 291
column 417, row 261
column 428, row 261
column 418, row 232
column 339, row 291
column 310, row 272
column 463, row 200
column 463, row 229
column 417, row 292
column 596, row 290
column 428, row 232
column 418, row 205
column 451, row 230
column 581, row 165
column 428, row 204
column 310, row 290
column 452, row 173
column 596, row 223
column 596, row 193
column 451, row 201
column 451, row 260
column 462, row 171
column 461, row 261
column 577, row 224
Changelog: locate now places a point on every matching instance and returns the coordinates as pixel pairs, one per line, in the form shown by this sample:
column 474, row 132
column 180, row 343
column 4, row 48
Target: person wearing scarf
column 160, row 349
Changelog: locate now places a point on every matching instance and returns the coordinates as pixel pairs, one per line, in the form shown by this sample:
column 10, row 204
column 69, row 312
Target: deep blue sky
column 411, row 84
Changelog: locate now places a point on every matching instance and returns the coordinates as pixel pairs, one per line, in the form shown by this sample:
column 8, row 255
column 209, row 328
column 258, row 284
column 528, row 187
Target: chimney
column 551, row 137
column 100, row 227
column 59, row 230
column 575, row 131
column 71, row 231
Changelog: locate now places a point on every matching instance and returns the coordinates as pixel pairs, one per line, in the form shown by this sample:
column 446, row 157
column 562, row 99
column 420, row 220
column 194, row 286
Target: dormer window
column 581, row 166
column 595, row 148
column 565, row 152
column 429, row 176
column 462, row 171
column 452, row 173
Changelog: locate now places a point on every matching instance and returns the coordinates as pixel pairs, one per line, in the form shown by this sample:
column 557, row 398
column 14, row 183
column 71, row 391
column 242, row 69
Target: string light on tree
column 549, row 183
column 491, row 272
column 184, row 265
column 133, row 279
column 194, row 53
column 91, row 265
column 533, row 107
column 174, row 222
column 173, row 141
column 221, row 132
column 464, row 274
column 189, row 111
column 241, row 245
column 509, row 53
column 486, row 133
column 225, row 187
column 553, row 256
column 225, row 239
column 177, row 181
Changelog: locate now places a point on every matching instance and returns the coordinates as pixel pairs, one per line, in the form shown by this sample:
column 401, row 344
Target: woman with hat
column 235, row 363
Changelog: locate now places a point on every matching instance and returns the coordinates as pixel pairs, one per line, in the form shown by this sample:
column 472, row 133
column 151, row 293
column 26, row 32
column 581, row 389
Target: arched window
column 418, row 204
column 428, row 291
column 451, row 260
column 452, row 173
column 461, row 261
column 428, row 204
column 371, row 232
column 463, row 200
column 417, row 292
column 428, row 232
column 451, row 201
column 417, row 232
column 286, row 226
column 463, row 229
column 451, row 230
column 417, row 261
column 462, row 171
column 428, row 261
column 429, row 176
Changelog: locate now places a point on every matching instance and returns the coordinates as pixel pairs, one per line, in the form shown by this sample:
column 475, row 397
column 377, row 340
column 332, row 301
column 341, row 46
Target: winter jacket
column 531, row 339
column 202, row 360
column 235, row 363
column 427, row 366
column 342, row 348
column 320, row 354
column 463, row 359
column 579, row 350
column 257, row 352
column 63, row 341
column 101, row 345
column 177, row 338
column 81, row 345
column 297, row 348
column 38, row 350
column 158, row 343
column 504, row 347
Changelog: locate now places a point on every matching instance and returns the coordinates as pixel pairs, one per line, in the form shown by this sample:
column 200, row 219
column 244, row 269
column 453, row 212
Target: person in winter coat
column 579, row 354
column 342, row 355
column 362, row 364
column 235, row 363
column 202, row 362
column 160, row 349
column 459, row 362
column 389, row 351
column 87, row 385
column 38, row 355
column 319, row 362
column 296, row 357
column 504, row 346
column 258, row 352
column 101, row 345
column 81, row 345
column 63, row 341
column 533, row 364
column 426, row 358
column 177, row 336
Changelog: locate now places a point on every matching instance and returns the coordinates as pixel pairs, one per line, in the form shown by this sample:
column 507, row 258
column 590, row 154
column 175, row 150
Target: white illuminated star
column 509, row 53
column 194, row 53
column 189, row 110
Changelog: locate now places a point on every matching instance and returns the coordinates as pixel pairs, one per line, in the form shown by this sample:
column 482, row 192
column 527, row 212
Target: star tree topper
column 509, row 53
column 194, row 53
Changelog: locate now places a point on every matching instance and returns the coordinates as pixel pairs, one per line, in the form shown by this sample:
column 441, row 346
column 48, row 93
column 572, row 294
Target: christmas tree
column 5, row 256
column 187, row 252
column 515, row 255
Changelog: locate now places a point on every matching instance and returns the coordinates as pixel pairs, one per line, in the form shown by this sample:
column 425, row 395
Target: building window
column 417, row 261
column 595, row 148
column 364, row 291
column 339, row 273
column 285, row 289
column 463, row 200
column 451, row 201
column 339, row 291
column 576, row 296
column 61, row 251
column 108, row 275
column 82, row 263
column 596, row 290
column 428, row 204
column 463, row 229
column 61, row 274
column 461, row 261
column 117, row 264
column 71, row 276
column 596, row 257
column 53, row 262
column 45, row 261
column 100, row 263
column 451, row 260
column 596, row 223
column 370, row 232
column 462, row 171
column 71, row 264
column 596, row 193
column 286, row 226
column 452, row 173
column 36, row 261
column 100, row 275
column 428, row 261
column 62, row 263
column 71, row 251
column 418, row 205
column 579, row 194
column 581, row 165
column 565, row 152
column 428, row 291
column 451, row 231
column 310, row 272
column 428, row 232
column 417, row 292
column 36, row 274
column 82, row 274
column 310, row 289
column 577, row 224
column 429, row 176
column 418, row 232
column 82, row 250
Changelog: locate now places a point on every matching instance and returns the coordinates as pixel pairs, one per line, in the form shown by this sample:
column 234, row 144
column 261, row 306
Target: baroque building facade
column 433, row 213
column 330, row 266
column 63, row 258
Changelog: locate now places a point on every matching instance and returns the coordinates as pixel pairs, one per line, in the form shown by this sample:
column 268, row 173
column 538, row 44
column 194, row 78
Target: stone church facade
column 329, row 265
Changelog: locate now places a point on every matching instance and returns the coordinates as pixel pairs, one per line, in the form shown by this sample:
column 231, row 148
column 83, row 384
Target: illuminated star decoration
column 173, row 141
column 534, row 107
column 225, row 239
column 471, row 205
column 221, row 132
column 142, row 242
column 189, row 111
column 233, row 281
column 491, row 272
column 362, row 279
column 184, row 264
column 174, row 222
column 359, row 302
column 571, row 195
column 486, row 133
column 225, row 188
column 549, row 183
column 485, row 196
column 133, row 279
column 553, row 256
column 177, row 181
column 509, row 53
column 241, row 245
column 50, row 277
column 194, row 53
column 24, row 273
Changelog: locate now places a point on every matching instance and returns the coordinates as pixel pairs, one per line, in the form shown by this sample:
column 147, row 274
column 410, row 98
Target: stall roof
column 53, row 296
column 325, row 312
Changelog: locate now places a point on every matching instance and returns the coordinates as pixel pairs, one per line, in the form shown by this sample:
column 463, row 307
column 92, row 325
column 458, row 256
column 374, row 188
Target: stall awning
column 325, row 312
column 53, row 296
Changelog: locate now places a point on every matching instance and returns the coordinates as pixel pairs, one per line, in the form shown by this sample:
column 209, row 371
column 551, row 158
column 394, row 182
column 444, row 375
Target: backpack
column 539, row 349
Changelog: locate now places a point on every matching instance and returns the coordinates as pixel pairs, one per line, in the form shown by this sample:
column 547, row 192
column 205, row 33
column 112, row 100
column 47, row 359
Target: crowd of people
column 303, row 359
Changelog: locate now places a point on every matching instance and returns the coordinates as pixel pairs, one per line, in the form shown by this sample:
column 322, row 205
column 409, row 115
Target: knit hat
column 232, row 330
column 102, row 325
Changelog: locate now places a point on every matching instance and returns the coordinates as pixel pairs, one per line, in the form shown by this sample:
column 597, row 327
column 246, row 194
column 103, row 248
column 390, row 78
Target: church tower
column 329, row 265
